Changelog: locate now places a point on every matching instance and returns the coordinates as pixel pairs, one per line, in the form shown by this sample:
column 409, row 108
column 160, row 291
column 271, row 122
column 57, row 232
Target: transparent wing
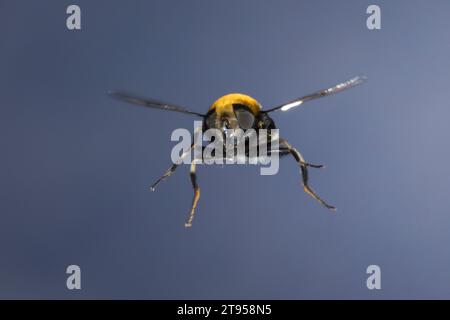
column 319, row 94
column 150, row 103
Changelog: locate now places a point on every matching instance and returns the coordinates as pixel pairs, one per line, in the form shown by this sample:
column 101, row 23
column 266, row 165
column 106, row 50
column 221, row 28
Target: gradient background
column 76, row 165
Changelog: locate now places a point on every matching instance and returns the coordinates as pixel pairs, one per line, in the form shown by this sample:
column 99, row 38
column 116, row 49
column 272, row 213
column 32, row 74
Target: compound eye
column 211, row 120
column 245, row 118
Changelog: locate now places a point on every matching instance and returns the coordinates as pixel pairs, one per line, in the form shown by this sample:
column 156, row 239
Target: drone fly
column 240, row 111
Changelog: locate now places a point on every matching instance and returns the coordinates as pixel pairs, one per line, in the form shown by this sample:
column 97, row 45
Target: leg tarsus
column 319, row 166
column 166, row 174
column 304, row 170
column 172, row 169
column 188, row 223
column 310, row 191
column 196, row 197
column 306, row 186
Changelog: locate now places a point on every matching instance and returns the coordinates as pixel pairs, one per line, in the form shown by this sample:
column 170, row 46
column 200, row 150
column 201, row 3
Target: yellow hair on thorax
column 225, row 104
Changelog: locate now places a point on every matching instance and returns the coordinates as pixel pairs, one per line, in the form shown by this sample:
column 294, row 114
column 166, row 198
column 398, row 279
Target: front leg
column 304, row 169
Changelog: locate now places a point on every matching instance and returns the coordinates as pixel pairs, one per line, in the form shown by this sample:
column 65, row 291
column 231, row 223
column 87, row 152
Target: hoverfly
column 240, row 111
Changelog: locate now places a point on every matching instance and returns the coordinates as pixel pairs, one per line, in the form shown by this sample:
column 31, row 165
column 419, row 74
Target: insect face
column 237, row 111
column 232, row 111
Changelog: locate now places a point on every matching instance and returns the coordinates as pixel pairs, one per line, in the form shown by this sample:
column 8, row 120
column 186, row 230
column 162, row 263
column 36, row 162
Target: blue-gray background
column 76, row 165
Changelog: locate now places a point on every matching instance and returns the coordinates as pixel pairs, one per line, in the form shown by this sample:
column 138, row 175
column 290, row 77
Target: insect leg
column 171, row 170
column 304, row 169
column 166, row 174
column 318, row 166
column 193, row 176
column 285, row 148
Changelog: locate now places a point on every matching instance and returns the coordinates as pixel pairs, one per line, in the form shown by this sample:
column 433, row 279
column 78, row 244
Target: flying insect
column 240, row 111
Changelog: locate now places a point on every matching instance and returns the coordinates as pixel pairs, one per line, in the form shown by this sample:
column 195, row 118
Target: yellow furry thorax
column 225, row 104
